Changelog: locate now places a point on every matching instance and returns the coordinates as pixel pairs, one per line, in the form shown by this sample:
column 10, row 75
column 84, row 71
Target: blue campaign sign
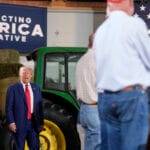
column 23, row 28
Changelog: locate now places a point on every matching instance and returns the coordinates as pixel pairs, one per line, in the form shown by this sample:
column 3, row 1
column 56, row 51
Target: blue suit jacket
column 16, row 108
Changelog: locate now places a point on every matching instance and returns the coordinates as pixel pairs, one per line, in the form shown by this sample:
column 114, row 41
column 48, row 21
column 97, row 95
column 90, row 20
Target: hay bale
column 2, row 102
column 9, row 56
column 7, row 82
column 3, row 89
column 9, row 70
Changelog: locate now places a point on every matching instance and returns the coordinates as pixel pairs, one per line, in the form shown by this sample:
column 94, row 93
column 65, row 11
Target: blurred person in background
column 87, row 95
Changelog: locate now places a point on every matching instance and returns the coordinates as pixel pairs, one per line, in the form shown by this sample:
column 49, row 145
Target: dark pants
column 29, row 135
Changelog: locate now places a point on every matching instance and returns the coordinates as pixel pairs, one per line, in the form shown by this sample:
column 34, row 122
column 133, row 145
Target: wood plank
column 59, row 4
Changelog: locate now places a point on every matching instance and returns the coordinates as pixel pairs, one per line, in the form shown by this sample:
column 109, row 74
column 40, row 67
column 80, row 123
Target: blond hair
column 25, row 68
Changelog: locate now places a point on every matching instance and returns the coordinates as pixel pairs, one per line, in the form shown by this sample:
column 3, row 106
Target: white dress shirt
column 122, row 52
column 31, row 94
column 86, row 78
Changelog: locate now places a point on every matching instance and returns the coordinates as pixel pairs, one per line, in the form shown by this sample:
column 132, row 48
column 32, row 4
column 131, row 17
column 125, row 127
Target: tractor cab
column 55, row 74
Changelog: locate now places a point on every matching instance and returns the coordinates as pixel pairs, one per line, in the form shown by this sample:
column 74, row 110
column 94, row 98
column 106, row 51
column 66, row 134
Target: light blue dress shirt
column 122, row 52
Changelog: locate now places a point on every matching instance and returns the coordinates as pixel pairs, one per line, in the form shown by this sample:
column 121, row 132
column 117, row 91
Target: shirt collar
column 25, row 84
column 117, row 13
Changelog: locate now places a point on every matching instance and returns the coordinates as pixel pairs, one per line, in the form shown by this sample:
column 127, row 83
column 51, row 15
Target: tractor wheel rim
column 51, row 138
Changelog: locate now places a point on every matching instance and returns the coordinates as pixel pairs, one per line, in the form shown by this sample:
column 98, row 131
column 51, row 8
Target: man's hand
column 12, row 127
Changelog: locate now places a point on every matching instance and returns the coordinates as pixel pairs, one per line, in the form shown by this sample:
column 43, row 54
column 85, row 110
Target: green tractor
column 55, row 74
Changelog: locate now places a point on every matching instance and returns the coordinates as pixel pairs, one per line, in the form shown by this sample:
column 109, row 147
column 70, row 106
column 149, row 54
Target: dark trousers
column 29, row 135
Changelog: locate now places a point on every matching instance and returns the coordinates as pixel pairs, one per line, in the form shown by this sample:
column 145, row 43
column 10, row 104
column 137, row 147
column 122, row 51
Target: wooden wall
column 100, row 6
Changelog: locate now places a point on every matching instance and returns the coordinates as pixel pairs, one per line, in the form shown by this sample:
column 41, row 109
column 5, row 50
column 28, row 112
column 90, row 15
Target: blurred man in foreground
column 122, row 51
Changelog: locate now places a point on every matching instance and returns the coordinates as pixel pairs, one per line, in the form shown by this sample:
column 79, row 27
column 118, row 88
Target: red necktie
column 28, row 101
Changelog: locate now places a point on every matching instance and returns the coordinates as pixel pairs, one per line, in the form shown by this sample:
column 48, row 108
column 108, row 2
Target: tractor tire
column 60, row 130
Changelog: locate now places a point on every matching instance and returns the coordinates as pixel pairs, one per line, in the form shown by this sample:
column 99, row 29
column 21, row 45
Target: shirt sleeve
column 9, row 105
column 142, row 42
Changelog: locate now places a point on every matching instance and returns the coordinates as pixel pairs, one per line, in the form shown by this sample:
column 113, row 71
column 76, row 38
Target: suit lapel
column 20, row 88
column 21, row 91
column 34, row 90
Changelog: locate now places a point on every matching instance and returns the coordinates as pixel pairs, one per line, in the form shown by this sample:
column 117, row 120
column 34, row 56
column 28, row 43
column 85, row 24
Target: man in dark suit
column 24, row 113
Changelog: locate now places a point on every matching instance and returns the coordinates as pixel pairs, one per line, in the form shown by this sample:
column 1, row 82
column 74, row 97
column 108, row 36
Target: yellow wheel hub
column 51, row 138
